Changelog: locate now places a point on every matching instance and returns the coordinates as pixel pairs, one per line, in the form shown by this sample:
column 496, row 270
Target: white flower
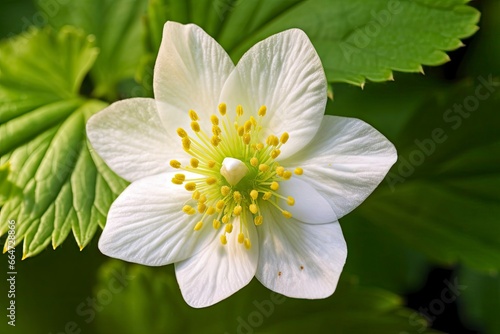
column 235, row 170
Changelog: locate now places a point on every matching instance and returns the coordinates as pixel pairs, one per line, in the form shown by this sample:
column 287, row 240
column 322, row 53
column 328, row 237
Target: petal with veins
column 284, row 73
column 345, row 162
column 130, row 137
column 299, row 260
column 146, row 224
column 218, row 271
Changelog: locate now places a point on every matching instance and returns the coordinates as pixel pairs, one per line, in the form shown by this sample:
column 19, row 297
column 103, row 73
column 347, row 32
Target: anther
column 223, row 239
column 214, row 119
column 290, row 201
column 267, row 195
column 193, row 115
column 239, row 110
column 262, row 111
column 247, row 138
column 237, row 210
column 248, row 126
column 190, row 186
column 220, row 205
column 210, row 163
column 180, row 177
column 298, row 171
column 229, row 228
column 254, row 161
column 263, row 168
column 241, row 238
column 198, row 226
column 195, row 126
column 194, row 162
column 202, row 207
column 248, row 244
column 258, row 220
column 275, row 185
column 253, row 208
column 254, row 194
column 211, row 180
column 181, row 132
column 222, row 109
column 176, row 181
column 286, row 214
column 210, row 210
column 275, row 153
column 237, row 196
column 216, row 224
column 175, row 164
column 284, row 137
column 186, row 143
column 280, row 170
column 287, row 175
column 224, row 190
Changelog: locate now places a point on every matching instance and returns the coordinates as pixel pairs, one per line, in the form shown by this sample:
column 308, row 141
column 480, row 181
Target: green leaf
column 60, row 186
column 481, row 299
column 442, row 197
column 117, row 28
column 356, row 40
column 148, row 300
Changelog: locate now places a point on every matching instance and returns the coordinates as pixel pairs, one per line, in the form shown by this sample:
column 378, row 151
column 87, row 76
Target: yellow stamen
column 220, row 205
column 211, row 180
column 267, row 195
column 224, row 190
column 280, row 170
column 194, row 162
column 216, row 224
column 262, row 111
column 254, row 194
column 254, row 161
column 210, row 210
column 175, row 164
column 253, row 208
column 222, row 109
column 186, row 143
column 223, row 239
column 181, row 132
column 195, row 126
column 176, row 181
column 248, row 244
column 188, row 209
column 202, row 207
column 275, row 185
column 237, row 196
column 193, row 115
column 229, row 228
column 237, row 210
column 241, row 238
column 198, row 226
column 275, row 153
column 258, row 220
column 286, row 214
column 239, row 110
column 284, row 137
column 287, row 175
column 263, row 168
column 298, row 171
column 210, row 163
column 290, row 201
column 214, row 119
column 190, row 186
column 196, row 195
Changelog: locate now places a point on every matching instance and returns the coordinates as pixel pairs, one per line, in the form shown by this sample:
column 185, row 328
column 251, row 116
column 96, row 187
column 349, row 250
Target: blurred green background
column 424, row 249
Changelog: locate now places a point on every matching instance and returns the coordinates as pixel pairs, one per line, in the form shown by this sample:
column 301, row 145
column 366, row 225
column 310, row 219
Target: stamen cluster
column 237, row 172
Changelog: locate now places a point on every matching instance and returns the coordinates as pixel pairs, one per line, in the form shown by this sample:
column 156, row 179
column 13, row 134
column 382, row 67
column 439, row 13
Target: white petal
column 219, row 270
column 284, row 73
column 310, row 207
column 299, row 260
column 345, row 162
column 190, row 71
column 146, row 224
column 132, row 140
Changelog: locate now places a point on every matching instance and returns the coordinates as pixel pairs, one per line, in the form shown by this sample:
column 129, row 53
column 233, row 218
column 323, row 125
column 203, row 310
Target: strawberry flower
column 235, row 171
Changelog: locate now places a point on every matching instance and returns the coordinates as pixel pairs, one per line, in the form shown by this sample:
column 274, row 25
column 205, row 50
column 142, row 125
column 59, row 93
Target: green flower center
column 236, row 172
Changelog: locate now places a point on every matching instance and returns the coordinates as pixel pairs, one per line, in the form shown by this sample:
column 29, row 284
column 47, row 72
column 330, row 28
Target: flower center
column 237, row 173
